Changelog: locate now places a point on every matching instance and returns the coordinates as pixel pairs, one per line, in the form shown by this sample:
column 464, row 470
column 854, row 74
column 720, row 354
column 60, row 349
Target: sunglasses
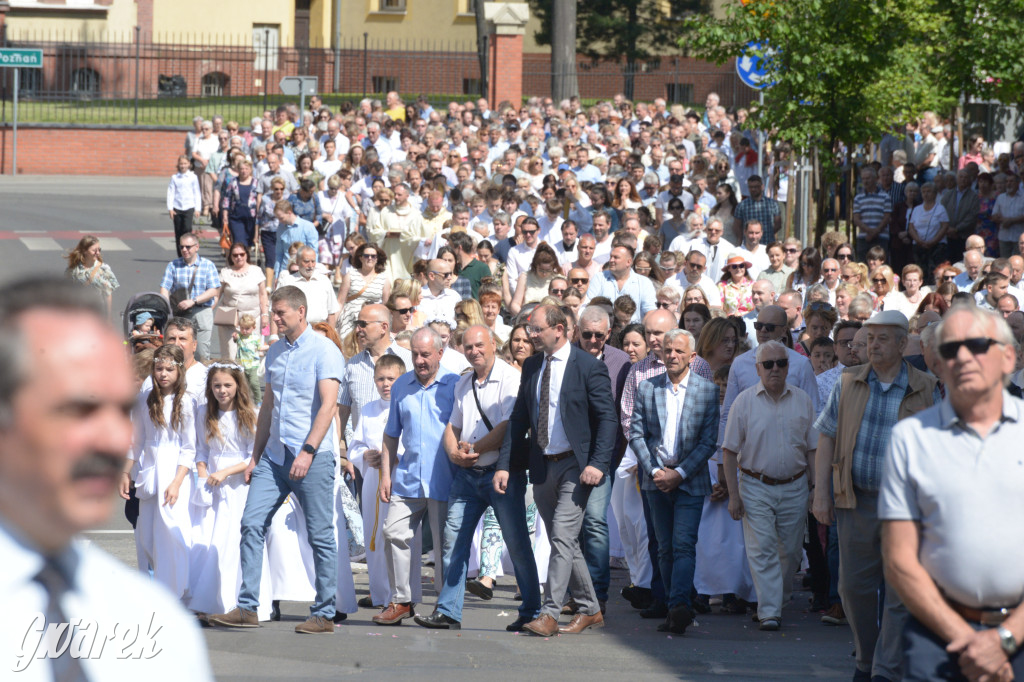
column 770, row 364
column 765, row 327
column 446, row 275
column 948, row 278
column 792, row 250
column 976, row 346
column 363, row 324
column 698, row 267
column 664, row 304
column 527, row 233
column 592, row 335
column 818, row 306
column 403, row 311
column 738, row 266
column 372, row 256
column 557, row 292
column 843, row 256
column 880, row 280
column 580, row 280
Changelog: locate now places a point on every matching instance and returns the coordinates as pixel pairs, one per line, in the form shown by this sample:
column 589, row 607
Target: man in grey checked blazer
column 673, row 433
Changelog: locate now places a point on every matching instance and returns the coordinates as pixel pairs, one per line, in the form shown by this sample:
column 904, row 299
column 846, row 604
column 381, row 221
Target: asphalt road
column 40, row 218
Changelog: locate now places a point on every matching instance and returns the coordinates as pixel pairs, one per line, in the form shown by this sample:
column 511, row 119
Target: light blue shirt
column 293, row 371
column 418, row 416
column 301, row 231
column 637, row 287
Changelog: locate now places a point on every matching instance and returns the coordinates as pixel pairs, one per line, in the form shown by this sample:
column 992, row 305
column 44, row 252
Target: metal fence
column 123, row 81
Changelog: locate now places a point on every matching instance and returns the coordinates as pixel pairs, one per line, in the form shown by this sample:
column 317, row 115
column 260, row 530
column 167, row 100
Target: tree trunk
column 563, row 50
column 481, row 49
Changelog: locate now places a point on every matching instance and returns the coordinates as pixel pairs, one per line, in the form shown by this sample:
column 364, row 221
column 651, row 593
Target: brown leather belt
column 768, row 480
column 558, row 457
column 986, row 617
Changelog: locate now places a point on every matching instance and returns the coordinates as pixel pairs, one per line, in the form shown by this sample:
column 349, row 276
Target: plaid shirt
column 178, row 274
column 357, row 387
column 463, row 287
column 762, row 210
column 880, row 415
column 644, row 369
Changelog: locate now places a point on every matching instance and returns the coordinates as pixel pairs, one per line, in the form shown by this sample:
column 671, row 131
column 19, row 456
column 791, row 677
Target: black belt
column 484, row 470
column 558, row 457
column 769, row 480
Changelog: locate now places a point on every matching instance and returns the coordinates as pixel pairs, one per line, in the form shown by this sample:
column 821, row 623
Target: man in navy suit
column 565, row 404
column 595, row 326
column 673, row 433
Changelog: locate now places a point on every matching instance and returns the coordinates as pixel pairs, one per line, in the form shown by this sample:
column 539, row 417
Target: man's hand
column 500, row 482
column 385, row 490
column 300, row 467
column 590, row 476
column 186, row 304
column 667, row 480
column 981, row 656
column 172, row 213
column 350, row 469
column 736, row 507
column 719, row 492
column 248, row 471
column 463, row 457
column 822, row 507
column 372, row 458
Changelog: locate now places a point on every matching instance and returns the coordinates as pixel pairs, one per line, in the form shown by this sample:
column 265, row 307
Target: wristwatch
column 306, row 447
column 1007, row 641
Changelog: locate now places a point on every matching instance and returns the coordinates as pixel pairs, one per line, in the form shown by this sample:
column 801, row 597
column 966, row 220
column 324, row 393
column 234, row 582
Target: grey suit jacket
column 963, row 217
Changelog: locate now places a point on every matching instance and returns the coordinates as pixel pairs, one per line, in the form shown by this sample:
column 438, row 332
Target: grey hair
column 767, row 346
column 593, row 313
column 928, row 337
column 435, row 339
column 861, row 303
column 181, row 324
column 816, row 292
column 673, row 334
column 25, row 296
column 293, row 296
column 1003, row 333
column 713, row 220
column 670, row 293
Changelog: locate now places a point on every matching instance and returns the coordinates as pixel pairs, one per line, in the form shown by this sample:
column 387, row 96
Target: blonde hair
column 155, row 401
column 76, row 256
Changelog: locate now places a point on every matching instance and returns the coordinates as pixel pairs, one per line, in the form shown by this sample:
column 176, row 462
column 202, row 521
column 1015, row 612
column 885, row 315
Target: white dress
column 163, row 533
column 722, row 566
column 217, row 535
column 632, row 526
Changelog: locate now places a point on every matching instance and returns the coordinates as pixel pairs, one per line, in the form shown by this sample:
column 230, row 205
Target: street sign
column 752, row 66
column 298, row 85
column 20, row 57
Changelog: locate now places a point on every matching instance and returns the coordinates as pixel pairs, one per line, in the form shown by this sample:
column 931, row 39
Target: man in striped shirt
column 872, row 213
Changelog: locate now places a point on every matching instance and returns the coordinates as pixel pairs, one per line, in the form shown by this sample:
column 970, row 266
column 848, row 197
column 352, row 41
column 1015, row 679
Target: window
column 384, row 83
column 30, row 82
column 392, row 6
column 85, row 82
column 679, row 93
column 215, row 84
column 265, row 39
column 471, row 86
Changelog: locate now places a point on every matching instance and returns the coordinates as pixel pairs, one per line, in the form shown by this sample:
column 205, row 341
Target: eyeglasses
column 664, row 304
column 239, row 254
column 557, row 292
column 189, row 247
column 879, row 280
column 771, row 364
column 592, row 335
column 792, row 250
column 697, row 266
column 976, row 346
column 843, row 256
column 580, row 280
column 830, row 269
column 403, row 311
column 371, row 256
column 363, row 324
column 766, row 327
column 446, row 275
column 530, row 329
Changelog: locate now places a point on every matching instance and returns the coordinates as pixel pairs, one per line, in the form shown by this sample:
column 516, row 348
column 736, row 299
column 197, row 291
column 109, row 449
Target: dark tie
column 542, row 415
column 714, row 252
column 66, row 668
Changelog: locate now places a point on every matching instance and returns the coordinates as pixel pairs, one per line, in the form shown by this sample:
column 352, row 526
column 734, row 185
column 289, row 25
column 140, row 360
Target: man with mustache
column 64, row 428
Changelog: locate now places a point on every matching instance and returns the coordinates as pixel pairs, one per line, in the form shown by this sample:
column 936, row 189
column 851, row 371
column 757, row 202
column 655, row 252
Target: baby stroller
column 153, row 303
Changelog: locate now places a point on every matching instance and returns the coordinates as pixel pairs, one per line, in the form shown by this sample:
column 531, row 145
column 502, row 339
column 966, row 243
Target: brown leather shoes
column 316, row 625
column 581, row 622
column 235, row 618
column 394, row 614
column 542, row 626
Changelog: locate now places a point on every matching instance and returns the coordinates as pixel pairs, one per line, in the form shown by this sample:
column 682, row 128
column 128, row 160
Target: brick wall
column 72, row 150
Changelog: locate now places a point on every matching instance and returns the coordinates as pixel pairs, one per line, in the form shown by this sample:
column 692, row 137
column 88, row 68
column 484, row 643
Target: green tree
column 630, row 31
column 843, row 71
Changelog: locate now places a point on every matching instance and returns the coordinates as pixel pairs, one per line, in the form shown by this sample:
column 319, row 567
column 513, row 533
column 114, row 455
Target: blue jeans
column 676, row 517
column 594, row 537
column 268, row 489
column 471, row 493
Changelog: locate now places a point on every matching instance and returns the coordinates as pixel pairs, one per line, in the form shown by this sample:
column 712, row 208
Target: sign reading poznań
column 21, row 57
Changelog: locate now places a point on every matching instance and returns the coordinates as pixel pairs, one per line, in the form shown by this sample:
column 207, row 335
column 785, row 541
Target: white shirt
column 104, row 594
column 454, row 361
column 557, row 440
column 440, row 306
column 369, row 433
column 195, row 383
column 716, row 254
column 550, row 230
column 183, row 192
column 564, row 257
column 497, row 396
column 706, row 285
column 321, row 300
column 519, row 259
column 603, row 250
column 759, row 259
column 675, row 396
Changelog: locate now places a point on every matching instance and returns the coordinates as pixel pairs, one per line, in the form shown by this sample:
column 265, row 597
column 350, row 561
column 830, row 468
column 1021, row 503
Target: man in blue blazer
column 673, row 433
column 565, row 404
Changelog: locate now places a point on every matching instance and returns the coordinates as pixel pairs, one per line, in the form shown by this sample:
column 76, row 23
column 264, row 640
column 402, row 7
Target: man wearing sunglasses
column 855, row 428
column 769, row 492
column 949, row 502
column 438, row 299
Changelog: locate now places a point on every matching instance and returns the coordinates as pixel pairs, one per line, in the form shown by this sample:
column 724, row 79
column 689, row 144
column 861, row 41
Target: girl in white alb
column 226, row 428
column 163, row 455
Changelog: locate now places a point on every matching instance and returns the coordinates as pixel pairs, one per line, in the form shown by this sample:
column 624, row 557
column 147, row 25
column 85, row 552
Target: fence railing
column 126, row 82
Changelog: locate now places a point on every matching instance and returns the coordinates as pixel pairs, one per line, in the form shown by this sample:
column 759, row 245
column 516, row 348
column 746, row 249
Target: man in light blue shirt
column 620, row 280
column 291, row 229
column 304, row 370
column 421, row 404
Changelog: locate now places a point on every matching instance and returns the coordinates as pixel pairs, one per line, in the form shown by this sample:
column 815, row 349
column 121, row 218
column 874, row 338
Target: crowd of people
column 605, row 299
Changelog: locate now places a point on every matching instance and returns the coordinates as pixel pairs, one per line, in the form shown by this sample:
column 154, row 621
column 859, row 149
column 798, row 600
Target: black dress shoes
column 518, row 624
column 439, row 621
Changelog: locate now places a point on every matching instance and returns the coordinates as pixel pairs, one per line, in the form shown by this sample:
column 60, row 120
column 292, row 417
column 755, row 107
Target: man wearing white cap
column 854, row 431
